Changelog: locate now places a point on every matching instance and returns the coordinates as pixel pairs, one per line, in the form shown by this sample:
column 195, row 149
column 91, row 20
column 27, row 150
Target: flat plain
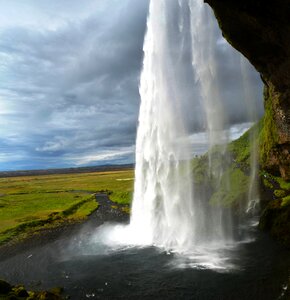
column 32, row 203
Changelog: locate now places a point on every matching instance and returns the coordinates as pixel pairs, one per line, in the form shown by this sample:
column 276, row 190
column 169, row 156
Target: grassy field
column 29, row 203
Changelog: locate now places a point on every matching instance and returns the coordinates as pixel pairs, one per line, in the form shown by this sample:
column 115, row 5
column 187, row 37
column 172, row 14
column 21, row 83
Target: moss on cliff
column 275, row 219
column 275, row 200
column 285, row 201
column 267, row 183
column 285, row 185
column 9, row 292
column 279, row 193
column 268, row 137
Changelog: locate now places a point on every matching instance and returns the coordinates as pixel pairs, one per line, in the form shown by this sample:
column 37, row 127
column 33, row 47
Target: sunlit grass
column 28, row 203
column 68, row 182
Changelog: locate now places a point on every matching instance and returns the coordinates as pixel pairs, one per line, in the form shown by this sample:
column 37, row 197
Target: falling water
column 206, row 72
column 204, row 63
column 163, row 212
column 166, row 211
column 253, row 194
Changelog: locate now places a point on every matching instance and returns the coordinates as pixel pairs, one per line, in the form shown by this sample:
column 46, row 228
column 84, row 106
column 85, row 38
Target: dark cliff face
column 260, row 29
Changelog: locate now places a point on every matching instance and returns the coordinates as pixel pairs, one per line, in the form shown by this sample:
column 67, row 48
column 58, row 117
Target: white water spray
column 206, row 71
column 165, row 211
column 204, row 65
column 162, row 211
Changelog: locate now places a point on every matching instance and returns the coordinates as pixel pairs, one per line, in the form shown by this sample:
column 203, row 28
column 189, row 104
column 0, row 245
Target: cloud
column 69, row 76
column 71, row 87
column 124, row 154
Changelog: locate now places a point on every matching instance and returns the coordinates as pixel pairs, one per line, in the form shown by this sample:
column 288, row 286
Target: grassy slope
column 32, row 202
column 228, row 180
column 232, row 188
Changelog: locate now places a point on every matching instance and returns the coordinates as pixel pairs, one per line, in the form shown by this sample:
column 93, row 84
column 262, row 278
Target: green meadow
column 31, row 203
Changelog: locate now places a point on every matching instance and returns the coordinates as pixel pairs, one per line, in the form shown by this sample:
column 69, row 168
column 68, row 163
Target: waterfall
column 163, row 211
column 253, row 203
column 167, row 211
column 205, row 68
column 204, row 63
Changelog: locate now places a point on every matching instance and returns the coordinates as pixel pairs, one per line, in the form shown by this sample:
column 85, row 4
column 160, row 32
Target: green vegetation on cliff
column 240, row 150
column 268, row 137
column 285, row 201
column 233, row 189
column 228, row 176
column 18, row 292
column 229, row 188
column 275, row 217
column 200, row 170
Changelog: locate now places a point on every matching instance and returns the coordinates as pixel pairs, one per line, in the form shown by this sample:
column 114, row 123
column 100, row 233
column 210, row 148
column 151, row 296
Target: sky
column 69, row 77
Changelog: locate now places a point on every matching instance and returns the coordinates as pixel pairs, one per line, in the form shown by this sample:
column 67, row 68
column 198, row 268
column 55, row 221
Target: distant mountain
column 65, row 170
